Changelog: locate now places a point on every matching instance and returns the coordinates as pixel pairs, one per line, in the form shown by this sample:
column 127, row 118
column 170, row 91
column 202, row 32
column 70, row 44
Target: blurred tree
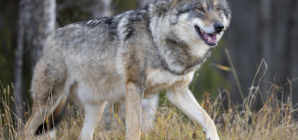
column 36, row 22
column 143, row 3
column 102, row 8
column 264, row 29
column 8, row 23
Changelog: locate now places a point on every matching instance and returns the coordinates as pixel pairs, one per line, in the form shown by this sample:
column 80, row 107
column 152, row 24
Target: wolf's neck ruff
column 177, row 57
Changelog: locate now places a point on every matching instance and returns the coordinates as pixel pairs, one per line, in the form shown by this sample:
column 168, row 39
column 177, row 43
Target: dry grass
column 274, row 121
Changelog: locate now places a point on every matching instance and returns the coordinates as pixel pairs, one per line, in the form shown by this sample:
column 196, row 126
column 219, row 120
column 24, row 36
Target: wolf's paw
column 211, row 139
column 208, row 138
column 213, row 136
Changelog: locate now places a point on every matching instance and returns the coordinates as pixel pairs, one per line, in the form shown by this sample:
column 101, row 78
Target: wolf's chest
column 158, row 80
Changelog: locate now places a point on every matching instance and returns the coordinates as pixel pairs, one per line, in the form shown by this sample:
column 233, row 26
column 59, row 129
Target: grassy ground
column 274, row 121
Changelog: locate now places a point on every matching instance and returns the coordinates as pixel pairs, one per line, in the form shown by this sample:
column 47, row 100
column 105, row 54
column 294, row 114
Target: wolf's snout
column 218, row 27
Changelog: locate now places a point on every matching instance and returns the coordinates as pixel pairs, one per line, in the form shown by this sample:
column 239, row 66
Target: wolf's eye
column 218, row 9
column 200, row 9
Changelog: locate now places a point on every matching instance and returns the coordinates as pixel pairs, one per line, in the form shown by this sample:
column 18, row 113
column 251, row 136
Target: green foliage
column 124, row 5
column 72, row 11
column 8, row 34
column 210, row 78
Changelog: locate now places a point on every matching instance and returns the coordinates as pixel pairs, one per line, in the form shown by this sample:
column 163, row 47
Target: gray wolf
column 128, row 57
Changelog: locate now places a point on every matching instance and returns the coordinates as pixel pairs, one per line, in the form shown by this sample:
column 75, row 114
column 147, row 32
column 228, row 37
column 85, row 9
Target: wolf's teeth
column 209, row 39
column 201, row 30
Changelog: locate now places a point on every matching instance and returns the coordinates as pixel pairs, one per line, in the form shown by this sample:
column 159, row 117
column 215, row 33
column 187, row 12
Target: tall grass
column 274, row 121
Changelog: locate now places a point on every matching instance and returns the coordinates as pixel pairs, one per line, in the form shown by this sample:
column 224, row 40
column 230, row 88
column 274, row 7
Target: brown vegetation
column 274, row 121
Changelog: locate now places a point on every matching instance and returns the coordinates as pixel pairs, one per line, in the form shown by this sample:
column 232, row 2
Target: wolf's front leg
column 185, row 101
column 93, row 113
column 133, row 108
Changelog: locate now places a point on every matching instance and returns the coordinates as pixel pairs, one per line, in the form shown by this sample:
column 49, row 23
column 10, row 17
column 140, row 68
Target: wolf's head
column 196, row 21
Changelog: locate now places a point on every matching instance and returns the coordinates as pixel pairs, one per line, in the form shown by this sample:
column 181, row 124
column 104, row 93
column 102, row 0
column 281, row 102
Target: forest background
column 260, row 30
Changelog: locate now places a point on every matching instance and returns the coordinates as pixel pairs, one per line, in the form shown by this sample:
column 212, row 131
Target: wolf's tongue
column 211, row 36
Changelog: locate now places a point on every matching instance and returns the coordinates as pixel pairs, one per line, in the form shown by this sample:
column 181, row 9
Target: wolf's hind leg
column 93, row 113
column 149, row 108
column 186, row 102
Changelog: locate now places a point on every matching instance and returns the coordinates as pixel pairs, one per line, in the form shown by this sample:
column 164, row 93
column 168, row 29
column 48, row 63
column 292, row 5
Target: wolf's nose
column 218, row 27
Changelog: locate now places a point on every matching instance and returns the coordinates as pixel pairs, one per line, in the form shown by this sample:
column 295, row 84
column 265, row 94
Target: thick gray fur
column 128, row 57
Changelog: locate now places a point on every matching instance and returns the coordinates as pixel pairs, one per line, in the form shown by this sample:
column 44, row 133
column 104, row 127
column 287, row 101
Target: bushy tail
column 54, row 119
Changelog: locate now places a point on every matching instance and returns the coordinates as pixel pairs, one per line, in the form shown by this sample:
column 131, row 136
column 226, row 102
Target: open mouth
column 210, row 39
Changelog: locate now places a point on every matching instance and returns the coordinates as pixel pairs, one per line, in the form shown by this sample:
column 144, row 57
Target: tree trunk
column 293, row 50
column 23, row 15
column 102, row 8
column 43, row 24
column 265, row 34
column 36, row 22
